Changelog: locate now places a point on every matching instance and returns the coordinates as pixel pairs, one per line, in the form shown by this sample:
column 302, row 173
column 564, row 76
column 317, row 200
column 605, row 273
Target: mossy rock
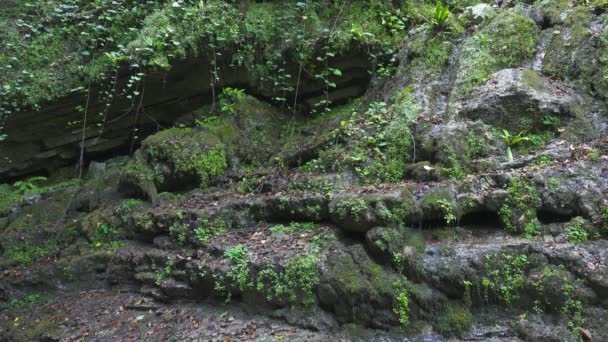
column 357, row 289
column 521, row 100
column 508, row 40
column 352, row 214
column 456, row 320
column 438, row 203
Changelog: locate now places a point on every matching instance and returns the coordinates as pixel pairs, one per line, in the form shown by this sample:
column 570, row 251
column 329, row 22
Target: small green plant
column 238, row 273
column 401, row 305
column 104, row 234
column 29, row 185
column 296, row 283
column 511, row 141
column 178, row 231
column 26, row 252
column 441, row 15
column 576, row 233
column 504, row 276
column 293, row 227
column 594, row 154
column 573, row 309
column 518, row 212
column 230, row 98
column 208, row 230
column 20, row 302
column 165, row 271
column 448, row 211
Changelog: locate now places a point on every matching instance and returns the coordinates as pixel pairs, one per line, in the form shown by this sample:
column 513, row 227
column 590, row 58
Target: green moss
column 351, row 207
column 191, row 152
column 456, row 320
column 438, row 204
column 415, row 239
column 8, row 198
column 367, row 278
column 25, row 252
column 508, row 41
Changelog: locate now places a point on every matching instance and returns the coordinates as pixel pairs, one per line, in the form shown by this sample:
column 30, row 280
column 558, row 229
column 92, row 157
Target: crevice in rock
column 546, row 216
column 485, row 219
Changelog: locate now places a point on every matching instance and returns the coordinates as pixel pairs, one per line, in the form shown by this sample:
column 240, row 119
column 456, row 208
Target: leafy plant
column 238, row 273
column 441, row 15
column 448, row 211
column 209, row 229
column 104, row 234
column 401, row 305
column 576, row 233
column 165, row 271
column 511, row 141
column 29, row 185
column 296, row 282
column 293, row 227
column 504, row 276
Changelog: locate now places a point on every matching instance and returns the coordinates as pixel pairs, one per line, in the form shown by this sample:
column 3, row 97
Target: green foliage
column 504, row 276
column 604, row 215
column 165, row 271
column 518, row 212
column 296, row 282
column 29, row 185
column 383, row 149
column 104, row 234
column 294, row 227
column 20, row 301
column 542, row 160
column 229, row 99
column 508, row 41
column 401, row 305
column 512, row 140
column 140, row 171
column 448, row 211
column 573, row 309
column 238, row 273
column 249, row 185
column 594, row 155
column 351, row 207
column 208, row 229
column 210, row 165
column 25, row 252
column 575, row 232
column 315, row 185
column 441, row 15
column 179, row 231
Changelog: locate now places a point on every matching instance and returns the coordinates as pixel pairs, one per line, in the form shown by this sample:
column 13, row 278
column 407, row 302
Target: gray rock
column 518, row 99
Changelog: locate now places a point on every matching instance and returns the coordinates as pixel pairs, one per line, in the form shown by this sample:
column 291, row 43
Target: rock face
column 519, row 99
column 41, row 141
column 397, row 212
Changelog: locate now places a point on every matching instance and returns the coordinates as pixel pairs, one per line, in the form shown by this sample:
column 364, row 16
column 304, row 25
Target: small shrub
column 576, row 233
column 504, row 275
column 401, row 305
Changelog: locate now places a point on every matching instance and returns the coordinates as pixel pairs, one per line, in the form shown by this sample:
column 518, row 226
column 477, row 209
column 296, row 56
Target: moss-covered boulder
column 357, row 289
column 519, row 100
column 507, row 41
column 247, row 133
